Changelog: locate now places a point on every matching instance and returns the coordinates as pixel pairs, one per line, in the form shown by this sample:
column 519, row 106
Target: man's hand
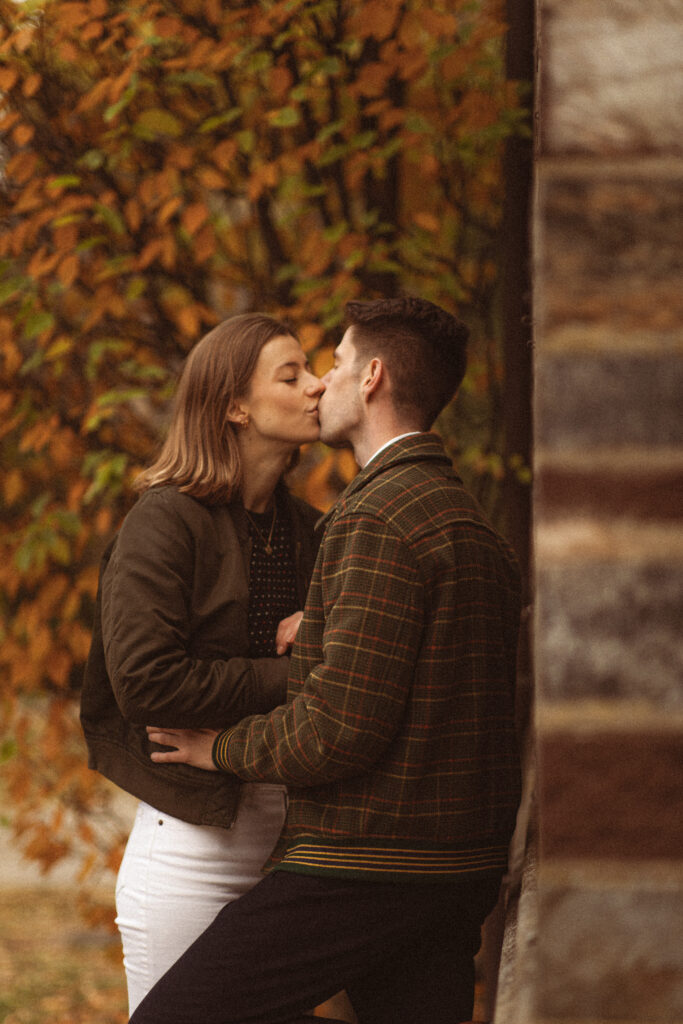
column 286, row 632
column 192, row 746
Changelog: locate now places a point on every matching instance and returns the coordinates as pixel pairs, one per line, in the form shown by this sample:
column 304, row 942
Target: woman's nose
column 315, row 385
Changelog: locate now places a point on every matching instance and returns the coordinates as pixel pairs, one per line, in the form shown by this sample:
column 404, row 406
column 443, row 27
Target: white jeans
column 175, row 877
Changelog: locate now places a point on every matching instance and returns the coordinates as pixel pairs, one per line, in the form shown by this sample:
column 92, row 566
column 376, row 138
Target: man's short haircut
column 424, row 348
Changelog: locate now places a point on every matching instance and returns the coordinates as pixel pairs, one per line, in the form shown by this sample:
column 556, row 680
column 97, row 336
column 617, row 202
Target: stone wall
column 600, row 933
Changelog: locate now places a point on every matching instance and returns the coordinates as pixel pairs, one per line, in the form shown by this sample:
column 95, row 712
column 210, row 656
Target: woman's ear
column 238, row 415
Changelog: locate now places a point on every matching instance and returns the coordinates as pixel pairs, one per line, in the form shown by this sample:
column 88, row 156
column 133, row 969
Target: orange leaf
column 182, row 157
column 68, row 270
column 150, row 252
column 375, row 18
column 170, row 207
column 210, row 178
column 68, row 53
column 13, row 486
column 372, row 80
column 23, row 133
column 31, row 85
column 438, row 23
column 22, row 166
column 204, row 245
column 8, row 78
column 72, row 15
column 23, row 38
column 194, row 217
column 280, row 82
column 428, row 221
column 41, row 263
column 188, row 321
column 133, row 214
column 224, row 154
column 310, row 336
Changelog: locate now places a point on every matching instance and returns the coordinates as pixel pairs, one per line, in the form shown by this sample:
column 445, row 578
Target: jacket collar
column 417, row 448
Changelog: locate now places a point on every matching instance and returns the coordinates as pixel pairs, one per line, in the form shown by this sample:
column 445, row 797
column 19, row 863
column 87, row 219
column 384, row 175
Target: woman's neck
column 260, row 476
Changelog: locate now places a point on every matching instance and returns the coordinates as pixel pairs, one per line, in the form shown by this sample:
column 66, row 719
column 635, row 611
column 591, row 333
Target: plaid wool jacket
column 397, row 742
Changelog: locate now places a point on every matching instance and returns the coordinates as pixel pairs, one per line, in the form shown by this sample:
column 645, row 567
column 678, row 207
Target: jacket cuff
column 219, row 750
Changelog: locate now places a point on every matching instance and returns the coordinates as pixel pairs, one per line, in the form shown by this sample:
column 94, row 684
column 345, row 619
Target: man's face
column 341, row 406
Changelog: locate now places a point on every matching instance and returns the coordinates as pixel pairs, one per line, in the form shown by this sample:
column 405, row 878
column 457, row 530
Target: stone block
column 611, row 795
column 611, row 952
column 612, row 76
column 584, row 399
column 610, row 629
column 608, row 255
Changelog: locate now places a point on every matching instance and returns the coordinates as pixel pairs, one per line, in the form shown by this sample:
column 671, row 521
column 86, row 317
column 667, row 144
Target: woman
column 212, row 557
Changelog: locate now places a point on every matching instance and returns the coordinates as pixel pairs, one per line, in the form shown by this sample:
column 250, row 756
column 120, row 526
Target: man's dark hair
column 423, row 346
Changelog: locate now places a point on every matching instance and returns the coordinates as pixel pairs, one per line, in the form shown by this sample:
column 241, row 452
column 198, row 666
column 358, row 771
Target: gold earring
column 244, row 423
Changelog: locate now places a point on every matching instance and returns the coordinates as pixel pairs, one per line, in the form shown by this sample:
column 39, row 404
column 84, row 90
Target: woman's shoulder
column 166, row 503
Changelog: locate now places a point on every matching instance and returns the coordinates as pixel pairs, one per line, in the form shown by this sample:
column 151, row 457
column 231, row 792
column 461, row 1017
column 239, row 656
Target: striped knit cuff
column 219, row 751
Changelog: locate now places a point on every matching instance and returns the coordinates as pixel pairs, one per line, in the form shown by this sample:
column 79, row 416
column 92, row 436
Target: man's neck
column 373, row 439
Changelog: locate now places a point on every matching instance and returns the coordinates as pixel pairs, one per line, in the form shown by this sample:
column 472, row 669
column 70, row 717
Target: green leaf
column 91, row 243
column 10, row 288
column 64, row 181
column 220, row 120
column 8, row 750
column 136, row 287
column 92, row 160
column 336, row 232
column 36, row 323
column 246, row 140
column 111, row 217
column 198, row 78
column 287, row 117
column 334, row 154
column 59, row 348
column 128, row 94
column 155, row 121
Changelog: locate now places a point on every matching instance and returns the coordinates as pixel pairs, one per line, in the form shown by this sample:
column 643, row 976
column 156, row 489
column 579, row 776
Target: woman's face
column 282, row 400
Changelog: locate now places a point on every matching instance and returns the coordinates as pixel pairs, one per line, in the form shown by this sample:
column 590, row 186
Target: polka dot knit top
column 272, row 579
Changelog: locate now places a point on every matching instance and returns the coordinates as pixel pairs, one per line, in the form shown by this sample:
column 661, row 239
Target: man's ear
column 372, row 376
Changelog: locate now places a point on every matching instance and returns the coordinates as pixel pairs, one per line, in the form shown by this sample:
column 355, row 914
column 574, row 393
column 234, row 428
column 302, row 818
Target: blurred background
column 164, row 165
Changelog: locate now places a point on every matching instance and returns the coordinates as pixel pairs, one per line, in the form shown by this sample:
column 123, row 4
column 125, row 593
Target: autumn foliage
column 165, row 164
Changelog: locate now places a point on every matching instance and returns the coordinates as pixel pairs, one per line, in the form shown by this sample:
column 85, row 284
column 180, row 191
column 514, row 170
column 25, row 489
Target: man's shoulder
column 409, row 493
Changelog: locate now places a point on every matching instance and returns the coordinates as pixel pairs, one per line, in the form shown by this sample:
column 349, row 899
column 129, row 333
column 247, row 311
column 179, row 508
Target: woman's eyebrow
column 293, row 364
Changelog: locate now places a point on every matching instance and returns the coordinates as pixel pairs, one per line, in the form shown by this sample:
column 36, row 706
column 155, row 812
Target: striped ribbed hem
column 219, row 750
column 391, row 863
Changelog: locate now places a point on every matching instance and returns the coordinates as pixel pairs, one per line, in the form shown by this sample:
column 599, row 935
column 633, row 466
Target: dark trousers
column 403, row 952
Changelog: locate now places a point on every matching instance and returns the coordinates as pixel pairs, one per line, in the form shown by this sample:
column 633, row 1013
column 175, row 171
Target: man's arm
column 352, row 702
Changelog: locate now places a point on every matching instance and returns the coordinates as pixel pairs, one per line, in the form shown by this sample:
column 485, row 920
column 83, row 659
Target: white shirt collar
column 410, row 433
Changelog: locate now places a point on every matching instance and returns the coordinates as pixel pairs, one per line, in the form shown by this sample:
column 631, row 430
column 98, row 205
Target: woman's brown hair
column 200, row 455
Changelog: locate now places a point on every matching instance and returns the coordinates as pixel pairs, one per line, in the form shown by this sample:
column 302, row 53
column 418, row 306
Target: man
column 397, row 742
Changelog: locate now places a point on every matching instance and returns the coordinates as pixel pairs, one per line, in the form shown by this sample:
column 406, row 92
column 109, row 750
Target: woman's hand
column 286, row 632
column 192, row 746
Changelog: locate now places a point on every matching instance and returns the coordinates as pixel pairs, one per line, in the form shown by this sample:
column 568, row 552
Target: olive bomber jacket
column 170, row 644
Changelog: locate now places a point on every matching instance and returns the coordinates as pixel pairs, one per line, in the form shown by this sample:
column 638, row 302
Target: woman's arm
column 147, row 621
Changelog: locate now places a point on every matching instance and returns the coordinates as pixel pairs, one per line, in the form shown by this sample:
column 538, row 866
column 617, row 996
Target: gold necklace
column 266, row 543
